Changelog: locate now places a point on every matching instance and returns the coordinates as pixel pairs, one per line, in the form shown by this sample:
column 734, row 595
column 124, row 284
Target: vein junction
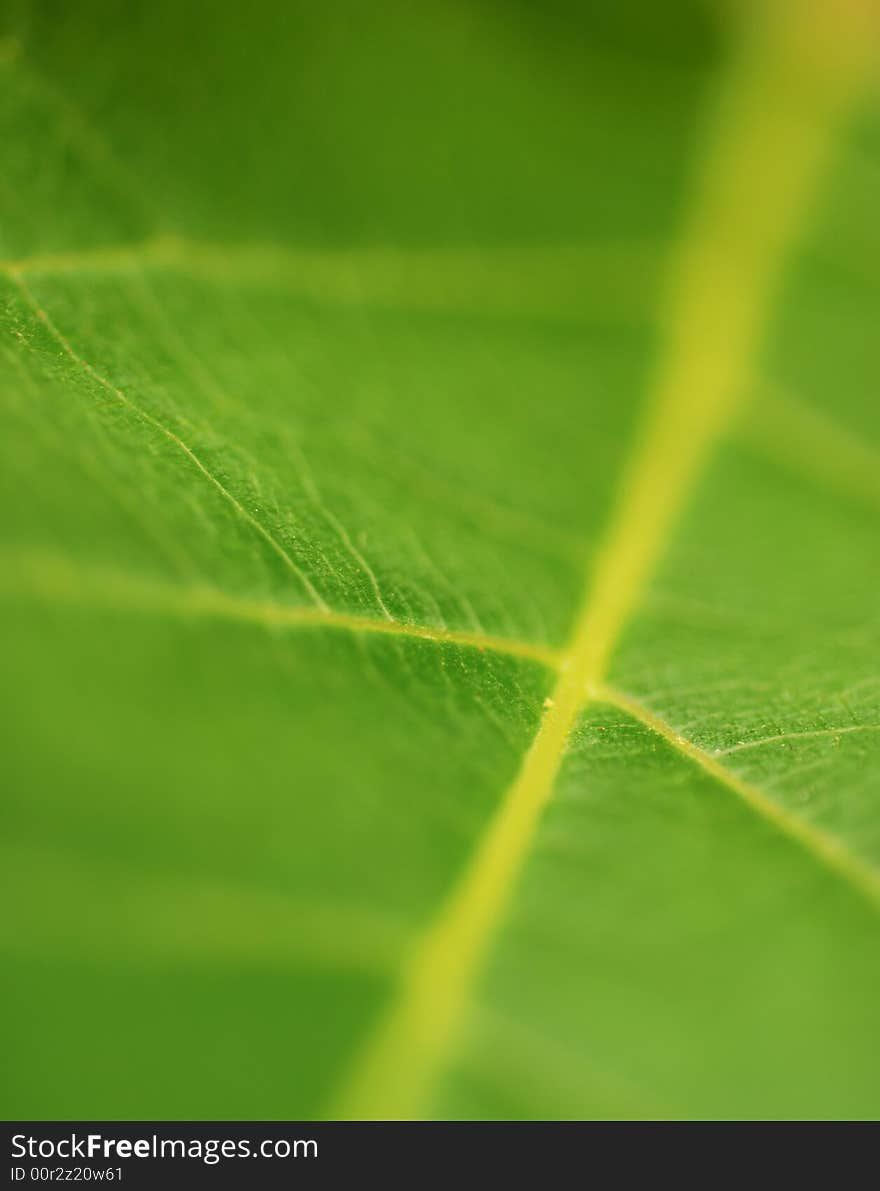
column 500, row 281
column 751, row 197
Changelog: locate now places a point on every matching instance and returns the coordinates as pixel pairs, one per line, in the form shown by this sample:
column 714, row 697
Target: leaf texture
column 440, row 561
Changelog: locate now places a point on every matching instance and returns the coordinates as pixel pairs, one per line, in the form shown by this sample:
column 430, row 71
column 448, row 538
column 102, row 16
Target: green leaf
column 439, row 561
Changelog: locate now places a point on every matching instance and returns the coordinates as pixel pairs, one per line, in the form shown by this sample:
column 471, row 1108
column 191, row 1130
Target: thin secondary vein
column 55, row 578
column 750, row 202
column 173, row 438
column 778, row 425
column 528, row 280
column 832, row 853
column 342, row 533
column 783, row 737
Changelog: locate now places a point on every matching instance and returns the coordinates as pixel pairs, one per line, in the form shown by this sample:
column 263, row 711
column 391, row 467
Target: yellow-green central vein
column 752, row 194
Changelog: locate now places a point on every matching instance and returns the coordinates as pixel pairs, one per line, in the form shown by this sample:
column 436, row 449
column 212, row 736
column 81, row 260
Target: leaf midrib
column 59, row 580
column 722, row 286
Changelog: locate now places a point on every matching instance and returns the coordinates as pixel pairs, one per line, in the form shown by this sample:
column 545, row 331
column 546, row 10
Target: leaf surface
column 440, row 561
